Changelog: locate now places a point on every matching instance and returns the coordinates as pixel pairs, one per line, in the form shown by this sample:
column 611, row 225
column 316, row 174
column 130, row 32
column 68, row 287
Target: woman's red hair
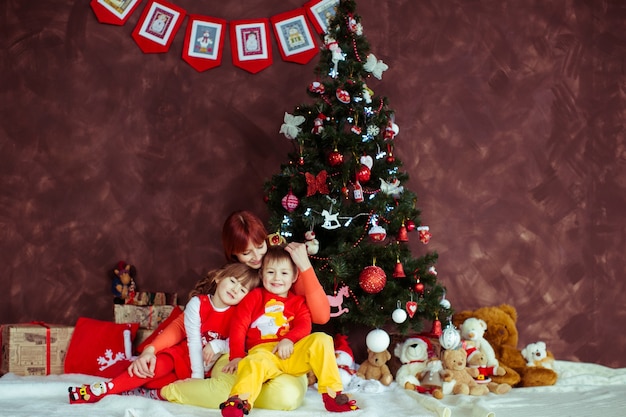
column 241, row 228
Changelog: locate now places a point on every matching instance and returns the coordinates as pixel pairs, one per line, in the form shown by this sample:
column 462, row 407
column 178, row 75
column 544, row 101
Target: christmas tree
column 341, row 192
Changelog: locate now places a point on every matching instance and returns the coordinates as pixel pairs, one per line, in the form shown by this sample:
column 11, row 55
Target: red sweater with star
column 263, row 317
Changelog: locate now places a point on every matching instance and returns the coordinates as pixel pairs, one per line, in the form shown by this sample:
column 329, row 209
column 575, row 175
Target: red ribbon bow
column 316, row 183
column 347, row 369
column 48, row 341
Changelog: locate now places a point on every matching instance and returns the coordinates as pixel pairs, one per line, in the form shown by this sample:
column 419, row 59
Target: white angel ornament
column 291, row 126
column 375, row 66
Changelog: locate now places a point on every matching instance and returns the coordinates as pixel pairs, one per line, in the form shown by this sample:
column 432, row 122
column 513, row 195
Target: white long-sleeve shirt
column 204, row 323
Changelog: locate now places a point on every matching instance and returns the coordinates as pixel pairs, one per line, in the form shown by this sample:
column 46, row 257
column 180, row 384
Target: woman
column 244, row 239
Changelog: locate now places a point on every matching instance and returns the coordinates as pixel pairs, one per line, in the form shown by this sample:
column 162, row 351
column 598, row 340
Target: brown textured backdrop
column 511, row 118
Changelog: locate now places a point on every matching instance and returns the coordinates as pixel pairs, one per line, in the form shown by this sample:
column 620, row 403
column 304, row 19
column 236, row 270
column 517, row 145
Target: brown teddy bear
column 503, row 336
column 478, row 360
column 375, row 367
column 455, row 363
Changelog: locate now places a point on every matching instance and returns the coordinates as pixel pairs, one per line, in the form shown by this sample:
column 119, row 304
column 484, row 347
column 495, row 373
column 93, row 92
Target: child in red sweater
column 207, row 320
column 274, row 326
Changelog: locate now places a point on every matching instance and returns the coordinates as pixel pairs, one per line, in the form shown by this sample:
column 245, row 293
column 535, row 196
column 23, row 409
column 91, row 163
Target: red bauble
column 377, row 233
column 372, row 279
column 363, row 174
column 391, row 159
column 335, row 158
column 418, row 288
column 410, row 225
column 290, row 202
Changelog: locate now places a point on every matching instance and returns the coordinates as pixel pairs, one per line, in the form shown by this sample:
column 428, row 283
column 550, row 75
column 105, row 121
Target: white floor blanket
column 583, row 389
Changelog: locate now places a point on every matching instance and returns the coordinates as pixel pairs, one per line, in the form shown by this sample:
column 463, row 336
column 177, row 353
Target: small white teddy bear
column 413, row 353
column 536, row 354
column 473, row 331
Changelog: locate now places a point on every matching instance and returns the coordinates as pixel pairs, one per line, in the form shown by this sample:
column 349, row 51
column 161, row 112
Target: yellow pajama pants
column 285, row 392
column 315, row 352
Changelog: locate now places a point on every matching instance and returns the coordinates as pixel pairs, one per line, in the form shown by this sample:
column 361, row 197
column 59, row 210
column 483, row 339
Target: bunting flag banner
column 295, row 39
column 249, row 41
column 295, row 32
column 204, row 41
column 321, row 12
column 114, row 12
column 157, row 26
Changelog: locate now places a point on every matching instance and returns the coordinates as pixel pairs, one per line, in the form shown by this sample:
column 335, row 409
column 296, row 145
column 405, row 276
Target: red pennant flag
column 320, row 12
column 249, row 40
column 114, row 12
column 294, row 36
column 157, row 26
column 204, row 41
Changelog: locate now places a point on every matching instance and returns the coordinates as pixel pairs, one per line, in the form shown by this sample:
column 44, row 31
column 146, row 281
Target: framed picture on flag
column 119, row 8
column 159, row 23
column 204, row 42
column 205, row 39
column 321, row 12
column 294, row 36
column 157, row 26
column 114, row 12
column 249, row 40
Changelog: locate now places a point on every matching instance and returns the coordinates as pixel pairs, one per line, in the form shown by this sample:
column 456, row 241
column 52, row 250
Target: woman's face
column 253, row 255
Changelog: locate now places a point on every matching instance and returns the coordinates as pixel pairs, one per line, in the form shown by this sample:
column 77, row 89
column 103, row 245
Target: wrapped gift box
column 148, row 317
column 142, row 334
column 145, row 298
column 34, row 349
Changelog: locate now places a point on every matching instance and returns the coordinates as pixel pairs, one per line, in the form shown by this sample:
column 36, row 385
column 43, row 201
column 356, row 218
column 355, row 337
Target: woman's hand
column 231, row 367
column 299, row 255
column 143, row 366
column 283, row 349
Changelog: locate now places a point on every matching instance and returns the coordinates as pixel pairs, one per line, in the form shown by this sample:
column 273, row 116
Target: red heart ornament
column 411, row 308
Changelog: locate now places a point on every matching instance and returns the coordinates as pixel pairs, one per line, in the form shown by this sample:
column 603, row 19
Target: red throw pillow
column 176, row 311
column 100, row 348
